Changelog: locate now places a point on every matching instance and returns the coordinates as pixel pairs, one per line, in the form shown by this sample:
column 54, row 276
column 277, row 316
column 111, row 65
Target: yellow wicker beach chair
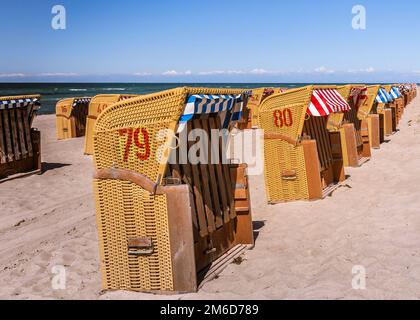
column 96, row 106
column 20, row 144
column 399, row 102
column 390, row 125
column 410, row 92
column 413, row 87
column 354, row 135
column 368, row 113
column 303, row 161
column 71, row 116
column 165, row 223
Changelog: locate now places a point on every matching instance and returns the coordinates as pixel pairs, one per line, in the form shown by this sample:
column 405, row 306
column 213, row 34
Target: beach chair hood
column 33, row 102
column 326, row 101
column 383, row 96
column 358, row 96
column 229, row 108
column 395, row 93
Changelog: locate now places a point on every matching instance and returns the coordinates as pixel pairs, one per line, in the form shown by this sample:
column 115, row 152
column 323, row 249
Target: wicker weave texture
column 124, row 210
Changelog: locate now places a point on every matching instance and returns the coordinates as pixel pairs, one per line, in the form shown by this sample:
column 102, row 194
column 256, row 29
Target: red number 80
column 284, row 118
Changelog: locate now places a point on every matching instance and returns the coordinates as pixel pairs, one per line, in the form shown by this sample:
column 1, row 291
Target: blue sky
column 210, row 41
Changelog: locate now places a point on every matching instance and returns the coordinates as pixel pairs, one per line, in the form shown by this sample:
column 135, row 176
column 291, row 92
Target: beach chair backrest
column 366, row 108
column 257, row 96
column 16, row 116
column 97, row 104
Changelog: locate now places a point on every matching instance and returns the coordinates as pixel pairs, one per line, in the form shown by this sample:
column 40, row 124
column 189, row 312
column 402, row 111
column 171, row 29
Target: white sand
column 304, row 250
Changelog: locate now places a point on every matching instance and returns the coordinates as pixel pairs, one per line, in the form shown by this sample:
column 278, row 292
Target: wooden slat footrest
column 363, row 160
column 220, row 264
column 20, row 175
column 330, row 189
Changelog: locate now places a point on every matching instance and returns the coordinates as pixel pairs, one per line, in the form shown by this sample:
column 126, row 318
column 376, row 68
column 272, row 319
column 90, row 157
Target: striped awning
column 228, row 107
column 395, row 93
column 81, row 101
column 19, row 103
column 358, row 96
column 325, row 102
column 383, row 96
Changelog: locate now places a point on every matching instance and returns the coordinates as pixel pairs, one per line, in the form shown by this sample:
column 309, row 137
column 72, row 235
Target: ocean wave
column 78, row 89
column 114, row 89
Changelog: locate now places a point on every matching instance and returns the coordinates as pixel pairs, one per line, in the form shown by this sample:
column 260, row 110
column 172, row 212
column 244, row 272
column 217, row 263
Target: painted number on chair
column 283, row 118
column 140, row 138
column 100, row 108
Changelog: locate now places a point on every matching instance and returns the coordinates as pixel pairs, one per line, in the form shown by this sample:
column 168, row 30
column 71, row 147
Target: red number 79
column 133, row 134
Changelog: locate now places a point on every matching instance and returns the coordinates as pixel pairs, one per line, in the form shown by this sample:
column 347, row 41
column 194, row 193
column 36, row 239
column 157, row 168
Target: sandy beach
column 303, row 250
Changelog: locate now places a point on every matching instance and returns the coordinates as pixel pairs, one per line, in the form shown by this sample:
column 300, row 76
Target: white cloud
column 174, row 73
column 170, row 73
column 12, row 75
column 324, row 70
column 142, row 74
column 367, row 70
column 256, row 71
column 58, row 74
column 259, row 71
column 209, row 73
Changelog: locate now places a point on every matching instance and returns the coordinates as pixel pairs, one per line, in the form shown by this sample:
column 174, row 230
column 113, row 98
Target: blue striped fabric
column 229, row 108
column 18, row 103
column 383, row 96
column 395, row 93
column 81, row 101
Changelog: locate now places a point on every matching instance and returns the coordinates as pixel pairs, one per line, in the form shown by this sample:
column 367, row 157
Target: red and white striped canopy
column 358, row 96
column 326, row 101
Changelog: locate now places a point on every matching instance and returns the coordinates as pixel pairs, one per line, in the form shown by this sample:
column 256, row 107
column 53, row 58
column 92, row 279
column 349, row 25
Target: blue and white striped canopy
column 229, row 108
column 395, row 93
column 19, row 103
column 81, row 101
column 383, row 96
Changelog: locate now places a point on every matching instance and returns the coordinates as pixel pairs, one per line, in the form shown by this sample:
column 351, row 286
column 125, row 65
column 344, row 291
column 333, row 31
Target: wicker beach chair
column 374, row 120
column 392, row 104
column 354, row 135
column 96, row 106
column 385, row 108
column 71, row 117
column 20, row 144
column 398, row 102
column 300, row 160
column 409, row 91
column 165, row 223
column 413, row 91
column 403, row 91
